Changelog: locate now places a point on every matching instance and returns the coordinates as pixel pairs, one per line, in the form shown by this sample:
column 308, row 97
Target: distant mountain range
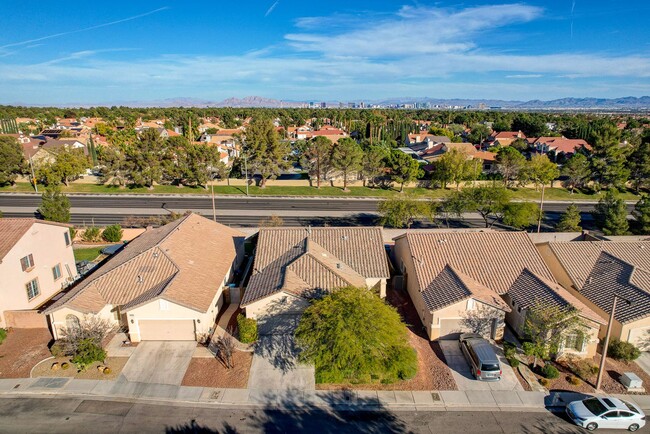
column 623, row 103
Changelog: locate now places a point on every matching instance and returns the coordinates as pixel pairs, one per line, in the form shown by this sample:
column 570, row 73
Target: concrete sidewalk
column 253, row 398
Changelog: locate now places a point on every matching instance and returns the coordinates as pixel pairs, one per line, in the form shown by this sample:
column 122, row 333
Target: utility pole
column 31, row 165
column 246, row 172
column 541, row 209
column 601, row 368
column 214, row 210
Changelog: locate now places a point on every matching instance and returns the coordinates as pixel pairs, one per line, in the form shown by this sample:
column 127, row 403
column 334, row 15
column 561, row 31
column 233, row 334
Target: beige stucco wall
column 280, row 301
column 58, row 318
column 46, row 243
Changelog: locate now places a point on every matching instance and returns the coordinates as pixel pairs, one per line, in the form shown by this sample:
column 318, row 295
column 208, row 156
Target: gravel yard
column 21, row 350
column 433, row 372
column 210, row 372
column 116, row 364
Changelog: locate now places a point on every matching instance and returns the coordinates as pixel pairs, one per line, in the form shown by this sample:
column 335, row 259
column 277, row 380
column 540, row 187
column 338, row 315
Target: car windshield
column 595, row 406
column 490, row 367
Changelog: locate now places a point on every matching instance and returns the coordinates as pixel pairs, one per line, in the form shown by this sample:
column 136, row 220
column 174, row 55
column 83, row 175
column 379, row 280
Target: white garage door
column 167, row 330
column 640, row 337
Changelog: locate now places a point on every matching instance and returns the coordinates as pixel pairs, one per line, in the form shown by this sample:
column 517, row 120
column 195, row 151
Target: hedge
column 247, row 329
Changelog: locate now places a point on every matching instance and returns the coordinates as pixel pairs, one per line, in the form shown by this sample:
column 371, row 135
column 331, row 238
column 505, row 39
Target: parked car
column 605, row 412
column 481, row 357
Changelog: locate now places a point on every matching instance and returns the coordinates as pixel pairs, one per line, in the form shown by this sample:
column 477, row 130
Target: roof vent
column 442, row 240
column 339, row 265
column 155, row 254
column 591, row 279
column 344, row 237
column 642, row 246
column 140, row 279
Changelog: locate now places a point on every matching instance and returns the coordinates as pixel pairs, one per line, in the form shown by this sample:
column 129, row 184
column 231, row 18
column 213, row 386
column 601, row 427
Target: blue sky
column 105, row 52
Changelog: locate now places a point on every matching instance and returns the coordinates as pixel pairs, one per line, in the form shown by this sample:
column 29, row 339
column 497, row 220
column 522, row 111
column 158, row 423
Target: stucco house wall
column 46, row 243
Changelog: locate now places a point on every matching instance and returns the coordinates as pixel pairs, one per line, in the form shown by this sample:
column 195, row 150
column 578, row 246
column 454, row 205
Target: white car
column 605, row 412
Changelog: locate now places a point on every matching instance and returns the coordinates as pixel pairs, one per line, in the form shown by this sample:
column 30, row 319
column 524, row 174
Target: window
column 56, row 272
column 27, row 263
column 66, row 235
column 72, row 322
column 32, row 289
column 574, row 341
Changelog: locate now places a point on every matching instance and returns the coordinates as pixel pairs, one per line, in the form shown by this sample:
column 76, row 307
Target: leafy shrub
column 549, row 371
column 58, row 349
column 544, row 382
column 401, row 365
column 112, row 233
column 73, row 233
column 509, row 350
column 583, row 368
column 514, row 362
column 91, row 234
column 88, row 352
column 620, row 350
column 574, row 380
column 3, row 335
column 247, row 329
column 529, row 348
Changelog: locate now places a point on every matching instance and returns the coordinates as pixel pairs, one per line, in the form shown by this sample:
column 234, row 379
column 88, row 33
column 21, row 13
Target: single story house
column 294, row 264
column 36, row 262
column 449, row 273
column 594, row 271
column 166, row 284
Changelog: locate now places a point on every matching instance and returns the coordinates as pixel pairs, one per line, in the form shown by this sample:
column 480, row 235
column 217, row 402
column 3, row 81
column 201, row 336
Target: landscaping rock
column 55, row 366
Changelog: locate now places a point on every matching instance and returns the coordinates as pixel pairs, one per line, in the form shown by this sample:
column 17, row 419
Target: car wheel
column 633, row 427
column 591, row 426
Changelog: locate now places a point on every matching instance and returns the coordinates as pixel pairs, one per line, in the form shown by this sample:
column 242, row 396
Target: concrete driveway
column 275, row 364
column 161, row 362
column 462, row 374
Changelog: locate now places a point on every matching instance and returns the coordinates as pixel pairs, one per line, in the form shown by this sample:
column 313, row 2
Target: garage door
column 167, row 330
column 640, row 337
column 450, row 328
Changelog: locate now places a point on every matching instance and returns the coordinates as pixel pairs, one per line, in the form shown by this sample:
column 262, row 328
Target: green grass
column 3, row 335
column 87, row 254
column 517, row 193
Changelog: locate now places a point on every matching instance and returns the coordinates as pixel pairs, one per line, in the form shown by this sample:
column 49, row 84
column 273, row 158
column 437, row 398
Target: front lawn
column 87, row 253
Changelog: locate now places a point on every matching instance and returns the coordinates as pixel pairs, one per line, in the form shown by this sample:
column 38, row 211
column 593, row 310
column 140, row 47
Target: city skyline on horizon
column 288, row 50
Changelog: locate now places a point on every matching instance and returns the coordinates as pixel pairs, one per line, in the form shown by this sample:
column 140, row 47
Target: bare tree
column 91, row 327
column 480, row 320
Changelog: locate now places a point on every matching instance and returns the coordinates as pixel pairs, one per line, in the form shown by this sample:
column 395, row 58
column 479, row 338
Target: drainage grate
column 435, row 396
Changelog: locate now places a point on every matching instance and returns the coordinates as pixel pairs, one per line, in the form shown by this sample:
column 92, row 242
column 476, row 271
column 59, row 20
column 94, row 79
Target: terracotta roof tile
column 359, row 251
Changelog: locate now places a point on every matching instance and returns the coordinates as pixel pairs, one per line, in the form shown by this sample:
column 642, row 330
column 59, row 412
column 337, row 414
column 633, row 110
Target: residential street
column 68, row 415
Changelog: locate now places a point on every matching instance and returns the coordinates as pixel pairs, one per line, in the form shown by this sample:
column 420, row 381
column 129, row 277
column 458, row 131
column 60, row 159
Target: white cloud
column 524, row 76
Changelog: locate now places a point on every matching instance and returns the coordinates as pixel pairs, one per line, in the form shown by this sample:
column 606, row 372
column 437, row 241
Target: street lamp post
column 246, row 172
column 599, row 379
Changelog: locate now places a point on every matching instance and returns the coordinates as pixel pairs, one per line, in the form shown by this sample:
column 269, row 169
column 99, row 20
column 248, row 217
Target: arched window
column 72, row 322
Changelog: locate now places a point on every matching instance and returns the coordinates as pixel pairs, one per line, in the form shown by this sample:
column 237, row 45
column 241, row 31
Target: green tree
column 112, row 233
column 144, row 159
column 317, row 157
column 113, row 166
column 570, row 220
column 639, row 165
column 610, row 214
column 334, row 336
column 540, row 171
column 267, row 155
column 403, row 168
column 509, row 164
column 479, row 133
column 520, row 144
column 546, row 325
column 489, row 202
column 641, row 214
column 452, row 167
column 55, row 206
column 577, row 171
column 198, row 163
column 347, row 157
column 373, row 164
column 67, row 165
column 400, row 211
column 609, row 159
column 520, row 215
column 12, row 161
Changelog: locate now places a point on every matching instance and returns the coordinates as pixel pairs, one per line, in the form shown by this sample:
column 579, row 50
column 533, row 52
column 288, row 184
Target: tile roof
column 451, row 286
column 297, row 259
column 578, row 258
column 562, row 144
column 509, row 135
column 184, row 262
column 494, row 259
column 13, row 229
column 529, row 289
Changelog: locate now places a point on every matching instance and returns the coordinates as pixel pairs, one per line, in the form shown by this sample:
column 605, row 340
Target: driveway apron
column 462, row 374
column 159, row 362
column 275, row 360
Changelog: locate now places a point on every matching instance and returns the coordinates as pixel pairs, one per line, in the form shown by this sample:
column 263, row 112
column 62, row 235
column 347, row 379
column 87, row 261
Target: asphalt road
column 235, row 211
column 71, row 415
